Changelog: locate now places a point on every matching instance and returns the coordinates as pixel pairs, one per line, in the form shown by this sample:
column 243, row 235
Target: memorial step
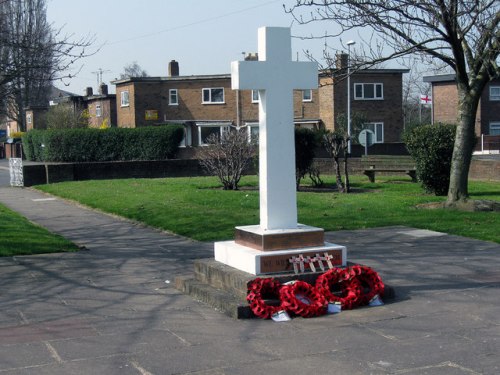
column 221, row 300
column 225, row 288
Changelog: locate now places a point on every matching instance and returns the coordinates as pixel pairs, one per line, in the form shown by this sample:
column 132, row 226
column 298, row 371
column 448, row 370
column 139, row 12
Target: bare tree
column 462, row 34
column 227, row 156
column 133, row 70
column 414, row 113
column 333, row 140
column 32, row 56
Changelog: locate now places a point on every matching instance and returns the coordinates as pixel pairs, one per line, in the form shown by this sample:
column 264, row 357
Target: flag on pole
column 425, row 99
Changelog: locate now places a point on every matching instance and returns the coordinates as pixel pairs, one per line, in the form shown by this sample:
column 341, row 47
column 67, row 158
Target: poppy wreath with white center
column 303, row 299
column 350, row 288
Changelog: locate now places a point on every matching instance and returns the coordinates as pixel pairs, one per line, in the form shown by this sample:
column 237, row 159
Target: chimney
column 103, row 89
column 88, row 91
column 251, row 56
column 341, row 60
column 173, row 68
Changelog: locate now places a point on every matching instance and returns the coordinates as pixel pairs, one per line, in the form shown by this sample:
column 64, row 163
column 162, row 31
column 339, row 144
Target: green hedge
column 90, row 145
column 431, row 146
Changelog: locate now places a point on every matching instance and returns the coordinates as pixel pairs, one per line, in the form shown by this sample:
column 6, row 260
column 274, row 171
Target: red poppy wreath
column 260, row 291
column 303, row 299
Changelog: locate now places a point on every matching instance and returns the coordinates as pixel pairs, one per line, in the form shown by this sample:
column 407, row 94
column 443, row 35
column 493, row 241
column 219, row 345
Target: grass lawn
column 199, row 209
column 18, row 236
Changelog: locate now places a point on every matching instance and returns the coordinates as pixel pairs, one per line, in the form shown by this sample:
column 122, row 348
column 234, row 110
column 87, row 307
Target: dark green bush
column 306, row 141
column 431, row 146
column 89, row 145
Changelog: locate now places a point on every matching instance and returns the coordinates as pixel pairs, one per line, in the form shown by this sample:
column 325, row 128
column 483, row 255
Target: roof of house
column 440, row 78
column 228, row 76
column 172, row 78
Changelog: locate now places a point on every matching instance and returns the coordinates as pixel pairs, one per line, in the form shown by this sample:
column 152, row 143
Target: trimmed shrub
column 114, row 144
column 431, row 146
column 306, row 142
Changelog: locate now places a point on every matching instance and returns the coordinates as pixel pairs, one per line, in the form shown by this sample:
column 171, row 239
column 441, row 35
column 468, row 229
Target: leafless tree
column 333, row 140
column 32, row 56
column 414, row 113
column 133, row 70
column 227, row 156
column 463, row 34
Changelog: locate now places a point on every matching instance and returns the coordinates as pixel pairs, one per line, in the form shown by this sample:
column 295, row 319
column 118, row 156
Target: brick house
column 101, row 107
column 445, row 104
column 376, row 95
column 205, row 104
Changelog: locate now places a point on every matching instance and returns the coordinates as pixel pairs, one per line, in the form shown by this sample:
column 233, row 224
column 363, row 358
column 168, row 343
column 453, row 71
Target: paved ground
column 111, row 309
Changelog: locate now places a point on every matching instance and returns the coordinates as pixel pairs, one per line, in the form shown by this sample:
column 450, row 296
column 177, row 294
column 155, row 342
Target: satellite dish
column 366, row 137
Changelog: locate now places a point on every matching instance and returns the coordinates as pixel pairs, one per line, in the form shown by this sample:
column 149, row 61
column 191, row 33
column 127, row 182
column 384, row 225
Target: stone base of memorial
column 259, row 252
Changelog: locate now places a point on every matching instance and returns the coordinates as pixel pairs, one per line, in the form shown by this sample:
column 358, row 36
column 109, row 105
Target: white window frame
column 222, row 128
column 209, row 90
column 173, row 97
column 363, row 96
column 255, row 96
column 29, row 118
column 494, row 93
column 307, row 98
column 250, row 126
column 377, row 128
column 494, row 128
column 98, row 110
column 186, row 140
column 124, row 99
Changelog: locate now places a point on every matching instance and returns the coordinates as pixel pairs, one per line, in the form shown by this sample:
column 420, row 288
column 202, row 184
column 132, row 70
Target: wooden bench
column 371, row 173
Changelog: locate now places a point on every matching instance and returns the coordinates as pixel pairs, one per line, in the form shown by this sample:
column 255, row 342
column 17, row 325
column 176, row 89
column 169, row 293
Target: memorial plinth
column 259, row 262
column 259, row 251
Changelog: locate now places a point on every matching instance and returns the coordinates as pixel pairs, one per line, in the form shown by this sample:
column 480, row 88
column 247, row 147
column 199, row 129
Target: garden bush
column 114, row 144
column 306, row 142
column 431, row 146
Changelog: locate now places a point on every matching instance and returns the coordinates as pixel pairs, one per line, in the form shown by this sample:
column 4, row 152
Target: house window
column 495, row 128
column 494, row 92
column 213, row 95
column 368, row 91
column 173, row 98
column 98, row 111
column 29, row 118
column 253, row 131
column 124, row 99
column 307, row 95
column 205, row 130
column 378, row 129
column 255, row 96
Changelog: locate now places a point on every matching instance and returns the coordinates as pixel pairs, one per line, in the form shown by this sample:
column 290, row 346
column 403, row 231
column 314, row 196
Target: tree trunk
column 340, row 184
column 462, row 151
column 347, row 187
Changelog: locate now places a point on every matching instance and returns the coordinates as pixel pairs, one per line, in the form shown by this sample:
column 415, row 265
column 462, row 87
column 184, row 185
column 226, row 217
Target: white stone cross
column 275, row 76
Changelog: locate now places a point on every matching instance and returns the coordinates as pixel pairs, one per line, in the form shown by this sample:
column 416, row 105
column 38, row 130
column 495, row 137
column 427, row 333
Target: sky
column 203, row 36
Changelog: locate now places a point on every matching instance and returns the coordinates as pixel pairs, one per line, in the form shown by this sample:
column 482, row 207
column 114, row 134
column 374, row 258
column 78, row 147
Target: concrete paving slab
column 108, row 310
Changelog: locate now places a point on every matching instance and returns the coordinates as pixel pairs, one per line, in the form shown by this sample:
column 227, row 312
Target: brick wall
column 445, row 98
column 125, row 115
column 325, row 105
column 490, row 109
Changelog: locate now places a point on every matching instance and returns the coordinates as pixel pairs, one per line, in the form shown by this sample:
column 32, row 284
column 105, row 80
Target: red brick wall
column 445, row 98
column 125, row 115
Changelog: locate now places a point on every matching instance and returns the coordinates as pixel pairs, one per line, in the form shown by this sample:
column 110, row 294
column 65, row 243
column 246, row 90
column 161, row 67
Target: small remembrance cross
column 275, row 76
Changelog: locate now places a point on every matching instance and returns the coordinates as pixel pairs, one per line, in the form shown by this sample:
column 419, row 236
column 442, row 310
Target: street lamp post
column 349, row 44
